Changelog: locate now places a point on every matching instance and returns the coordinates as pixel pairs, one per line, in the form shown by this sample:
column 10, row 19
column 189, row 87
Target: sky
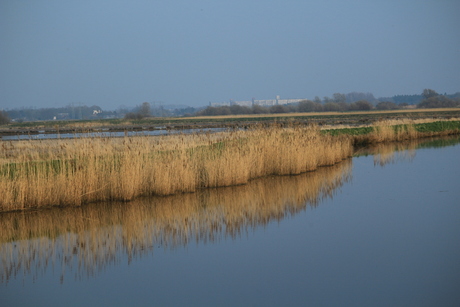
column 123, row 53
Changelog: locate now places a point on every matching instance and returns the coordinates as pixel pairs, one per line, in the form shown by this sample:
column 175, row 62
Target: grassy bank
column 69, row 172
column 395, row 130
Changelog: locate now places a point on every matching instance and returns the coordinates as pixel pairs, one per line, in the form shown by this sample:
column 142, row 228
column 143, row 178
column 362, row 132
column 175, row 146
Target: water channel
column 381, row 229
column 42, row 135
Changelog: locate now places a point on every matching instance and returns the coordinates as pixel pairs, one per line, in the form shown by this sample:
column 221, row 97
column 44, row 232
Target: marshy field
column 71, row 172
column 107, row 126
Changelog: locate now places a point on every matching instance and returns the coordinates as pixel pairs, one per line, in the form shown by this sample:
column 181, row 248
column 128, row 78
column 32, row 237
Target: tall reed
column 391, row 130
column 388, row 131
column 35, row 174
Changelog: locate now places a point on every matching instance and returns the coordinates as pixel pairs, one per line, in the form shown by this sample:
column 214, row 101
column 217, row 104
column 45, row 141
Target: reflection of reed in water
column 394, row 152
column 385, row 153
column 84, row 240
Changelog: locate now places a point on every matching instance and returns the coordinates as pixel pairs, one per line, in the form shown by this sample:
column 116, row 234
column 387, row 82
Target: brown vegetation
column 69, row 172
column 387, row 130
column 35, row 174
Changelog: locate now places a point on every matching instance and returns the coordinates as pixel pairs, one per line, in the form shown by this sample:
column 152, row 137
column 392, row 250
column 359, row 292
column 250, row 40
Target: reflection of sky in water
column 388, row 237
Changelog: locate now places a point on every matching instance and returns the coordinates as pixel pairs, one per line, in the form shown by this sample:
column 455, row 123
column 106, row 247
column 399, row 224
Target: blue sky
column 113, row 53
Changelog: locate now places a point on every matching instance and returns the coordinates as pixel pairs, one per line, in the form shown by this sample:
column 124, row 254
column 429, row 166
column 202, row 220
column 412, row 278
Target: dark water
column 382, row 229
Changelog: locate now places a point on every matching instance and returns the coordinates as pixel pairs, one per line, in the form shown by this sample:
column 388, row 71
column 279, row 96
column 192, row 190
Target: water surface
column 41, row 135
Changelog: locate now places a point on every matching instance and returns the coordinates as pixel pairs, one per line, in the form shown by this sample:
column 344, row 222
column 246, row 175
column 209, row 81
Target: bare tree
column 361, row 105
column 145, row 109
column 428, row 93
column 4, row 118
column 309, row 106
column 386, row 105
column 338, row 97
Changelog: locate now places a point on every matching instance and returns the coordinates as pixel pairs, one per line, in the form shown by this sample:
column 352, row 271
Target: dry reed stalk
column 382, row 132
column 72, row 172
column 389, row 131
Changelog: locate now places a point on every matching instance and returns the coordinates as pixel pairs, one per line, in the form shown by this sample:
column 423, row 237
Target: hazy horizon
column 114, row 53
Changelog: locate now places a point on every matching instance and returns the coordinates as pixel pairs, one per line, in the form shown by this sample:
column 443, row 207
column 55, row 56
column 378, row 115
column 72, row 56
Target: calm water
column 382, row 229
column 43, row 136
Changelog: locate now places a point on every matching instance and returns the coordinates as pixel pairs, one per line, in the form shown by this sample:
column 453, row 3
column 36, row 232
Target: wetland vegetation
column 79, row 241
column 69, row 172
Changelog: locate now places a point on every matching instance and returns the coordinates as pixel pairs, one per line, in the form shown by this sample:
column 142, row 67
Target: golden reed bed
column 36, row 174
column 69, row 172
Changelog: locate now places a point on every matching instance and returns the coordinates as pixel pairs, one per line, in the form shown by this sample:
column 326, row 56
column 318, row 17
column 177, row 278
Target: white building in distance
column 253, row 102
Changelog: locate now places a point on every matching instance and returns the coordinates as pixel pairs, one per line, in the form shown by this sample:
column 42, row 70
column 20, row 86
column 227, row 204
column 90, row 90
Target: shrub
column 386, row 105
column 439, row 101
column 256, row 109
column 224, row 110
column 132, row 115
column 237, row 109
column 362, row 105
column 332, row 107
column 278, row 109
column 309, row 106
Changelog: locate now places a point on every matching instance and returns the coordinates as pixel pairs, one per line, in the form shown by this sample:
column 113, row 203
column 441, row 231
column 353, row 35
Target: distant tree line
column 146, row 110
column 302, row 106
column 77, row 112
column 420, row 99
column 404, row 99
column 141, row 112
column 431, row 99
column 63, row 113
column 343, row 103
column 339, row 102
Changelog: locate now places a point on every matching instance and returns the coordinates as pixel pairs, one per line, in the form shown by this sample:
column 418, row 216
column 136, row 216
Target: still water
column 41, row 135
column 382, row 229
